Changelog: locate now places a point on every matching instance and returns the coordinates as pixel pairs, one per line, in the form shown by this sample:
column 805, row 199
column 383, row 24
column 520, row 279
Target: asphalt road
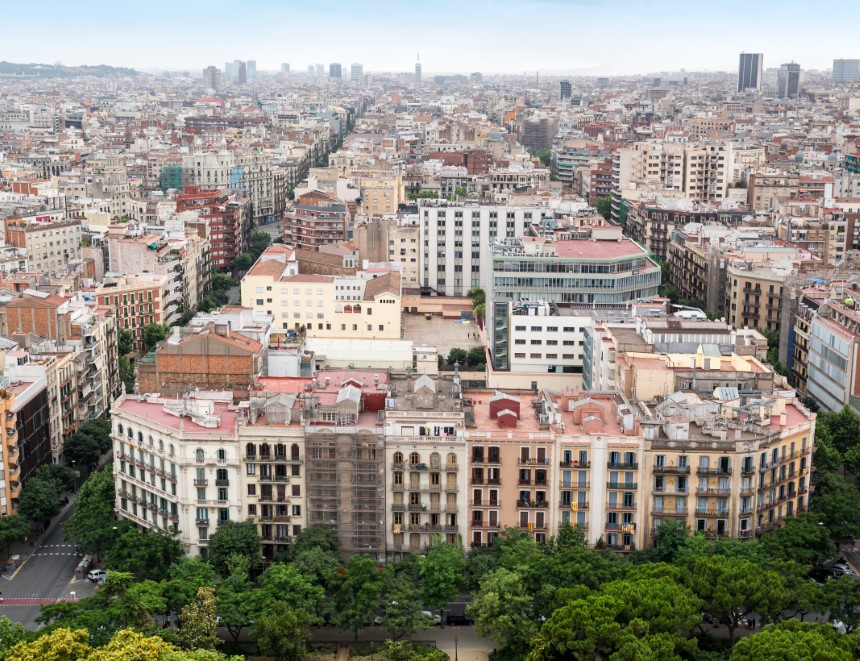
column 48, row 575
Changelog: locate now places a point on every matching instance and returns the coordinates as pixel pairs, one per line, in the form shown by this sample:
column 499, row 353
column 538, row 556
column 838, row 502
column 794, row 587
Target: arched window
column 222, row 454
column 251, row 449
column 199, row 455
column 119, row 429
column 294, row 451
column 149, row 440
column 265, row 450
column 130, row 433
column 280, row 450
column 347, row 308
column 434, row 460
column 161, row 444
column 398, row 457
column 140, row 437
column 170, row 450
column 452, row 459
column 414, row 458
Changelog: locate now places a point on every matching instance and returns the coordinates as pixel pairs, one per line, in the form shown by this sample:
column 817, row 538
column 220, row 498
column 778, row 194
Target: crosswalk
column 57, row 549
column 31, row 601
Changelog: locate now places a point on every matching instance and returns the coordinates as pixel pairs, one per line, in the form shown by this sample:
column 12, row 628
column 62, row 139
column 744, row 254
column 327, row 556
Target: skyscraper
column 334, row 70
column 320, row 70
column 285, row 67
column 251, row 68
column 564, row 89
column 788, row 81
column 417, row 73
column 212, row 78
column 242, row 75
column 749, row 71
column 356, row 73
column 846, row 71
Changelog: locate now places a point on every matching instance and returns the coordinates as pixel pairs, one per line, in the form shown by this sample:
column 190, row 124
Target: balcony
column 452, row 467
column 672, row 470
column 532, row 503
column 485, row 524
column 713, row 471
column 574, row 464
column 622, row 485
column 574, row 506
column 712, row 513
column 622, row 465
column 222, row 483
column 525, row 461
column 397, row 488
column 201, row 483
column 573, row 487
column 486, row 503
column 713, row 491
column 618, row 506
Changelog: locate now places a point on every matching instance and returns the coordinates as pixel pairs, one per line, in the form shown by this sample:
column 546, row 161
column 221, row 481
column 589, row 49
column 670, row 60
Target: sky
column 587, row 37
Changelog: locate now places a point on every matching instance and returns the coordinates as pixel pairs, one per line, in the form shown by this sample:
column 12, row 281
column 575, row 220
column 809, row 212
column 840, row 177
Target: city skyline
column 605, row 37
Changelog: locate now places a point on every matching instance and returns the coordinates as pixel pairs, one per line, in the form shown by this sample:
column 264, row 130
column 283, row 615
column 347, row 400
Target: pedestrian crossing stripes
column 73, row 553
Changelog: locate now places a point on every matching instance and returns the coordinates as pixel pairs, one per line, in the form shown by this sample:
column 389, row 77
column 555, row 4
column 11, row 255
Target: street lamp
column 455, row 649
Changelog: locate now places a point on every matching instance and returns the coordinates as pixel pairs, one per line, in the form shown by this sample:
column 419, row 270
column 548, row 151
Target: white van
column 97, row 575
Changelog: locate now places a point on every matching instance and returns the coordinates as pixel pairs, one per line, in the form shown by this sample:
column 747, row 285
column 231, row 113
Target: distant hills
column 61, row 71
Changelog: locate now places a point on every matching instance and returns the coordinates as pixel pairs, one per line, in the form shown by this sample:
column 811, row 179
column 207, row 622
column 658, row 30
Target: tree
column 791, row 639
column 801, row 539
column 198, row 622
column 284, row 582
column 401, row 605
column 40, row 500
column 842, row 596
column 545, row 156
column 236, row 598
column 282, row 633
column 126, row 374
column 403, row 650
column 12, row 528
column 732, row 588
column 146, row 554
column 234, row 538
column 58, row 645
column 82, row 450
column 440, row 571
column 457, row 356
column 837, row 506
column 841, row 428
column 63, row 475
column 356, row 593
column 221, row 282
column 92, row 526
column 11, row 633
column 604, row 206
column 644, row 618
column 478, row 295
column 125, row 342
column 187, row 576
column 243, row 261
column 476, row 356
column 504, row 611
column 259, row 242
column 459, row 191
column 153, row 334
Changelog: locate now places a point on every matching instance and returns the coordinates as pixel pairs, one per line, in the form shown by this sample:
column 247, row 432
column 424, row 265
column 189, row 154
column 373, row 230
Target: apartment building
column 205, row 357
column 381, row 195
column 177, row 465
column 364, row 305
column 11, row 487
column 565, row 273
column 310, row 226
column 393, row 240
column 27, row 430
column 693, row 257
column 228, row 217
column 425, row 457
column 827, row 238
column 457, row 242
column 651, row 221
column 139, row 300
column 51, row 241
column 766, row 187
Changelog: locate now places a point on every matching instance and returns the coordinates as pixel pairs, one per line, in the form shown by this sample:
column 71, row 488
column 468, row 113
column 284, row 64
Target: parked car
column 97, row 575
column 842, row 568
column 435, row 617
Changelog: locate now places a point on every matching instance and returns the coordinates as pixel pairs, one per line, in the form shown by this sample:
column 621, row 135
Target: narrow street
column 46, row 576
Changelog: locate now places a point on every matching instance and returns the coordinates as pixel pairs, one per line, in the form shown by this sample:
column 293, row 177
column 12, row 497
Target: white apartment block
column 456, row 242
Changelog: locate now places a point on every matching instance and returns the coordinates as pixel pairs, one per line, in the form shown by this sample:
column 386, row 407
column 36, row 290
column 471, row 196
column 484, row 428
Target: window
column 222, row 454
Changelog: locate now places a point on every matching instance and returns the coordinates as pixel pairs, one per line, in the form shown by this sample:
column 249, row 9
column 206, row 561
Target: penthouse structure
column 533, row 272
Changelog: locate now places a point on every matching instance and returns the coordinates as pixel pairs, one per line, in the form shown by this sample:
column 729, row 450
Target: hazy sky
column 579, row 36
